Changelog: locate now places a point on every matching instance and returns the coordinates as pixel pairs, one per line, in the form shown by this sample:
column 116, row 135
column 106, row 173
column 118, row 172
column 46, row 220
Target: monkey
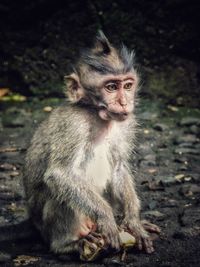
column 77, row 170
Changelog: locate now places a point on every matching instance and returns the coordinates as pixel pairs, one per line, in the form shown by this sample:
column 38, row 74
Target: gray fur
column 77, row 168
column 128, row 58
column 97, row 60
column 56, row 188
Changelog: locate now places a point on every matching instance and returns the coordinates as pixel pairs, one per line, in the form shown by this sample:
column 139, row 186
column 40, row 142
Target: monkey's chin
column 104, row 114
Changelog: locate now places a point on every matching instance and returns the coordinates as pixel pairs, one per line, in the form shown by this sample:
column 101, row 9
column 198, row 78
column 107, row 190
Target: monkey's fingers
column 89, row 251
column 113, row 241
column 96, row 239
column 97, row 235
column 150, row 227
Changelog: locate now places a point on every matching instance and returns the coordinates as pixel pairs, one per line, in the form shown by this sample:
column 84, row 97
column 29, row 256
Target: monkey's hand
column 137, row 229
column 108, row 228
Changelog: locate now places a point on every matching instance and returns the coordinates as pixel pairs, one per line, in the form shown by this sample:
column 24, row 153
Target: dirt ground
column 168, row 180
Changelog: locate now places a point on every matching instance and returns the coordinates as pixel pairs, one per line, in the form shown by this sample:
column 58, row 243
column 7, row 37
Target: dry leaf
column 25, row 260
column 4, row 91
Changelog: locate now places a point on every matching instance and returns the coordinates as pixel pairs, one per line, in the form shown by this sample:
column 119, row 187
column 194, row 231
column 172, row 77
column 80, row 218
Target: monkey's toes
column 150, row 227
column 148, row 245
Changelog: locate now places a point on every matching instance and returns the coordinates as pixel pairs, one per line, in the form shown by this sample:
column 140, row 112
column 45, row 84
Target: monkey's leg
column 131, row 211
column 68, row 230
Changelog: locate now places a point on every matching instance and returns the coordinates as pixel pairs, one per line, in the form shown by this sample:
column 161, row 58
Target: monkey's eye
column 111, row 87
column 128, row 86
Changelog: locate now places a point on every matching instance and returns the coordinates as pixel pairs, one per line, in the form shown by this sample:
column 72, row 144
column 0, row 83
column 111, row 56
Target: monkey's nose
column 123, row 103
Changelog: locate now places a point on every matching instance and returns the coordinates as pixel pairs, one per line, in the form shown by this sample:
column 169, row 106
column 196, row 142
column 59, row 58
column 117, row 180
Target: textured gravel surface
column 168, row 180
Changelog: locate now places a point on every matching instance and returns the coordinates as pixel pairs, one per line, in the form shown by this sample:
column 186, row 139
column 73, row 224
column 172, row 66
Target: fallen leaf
column 152, row 171
column 47, row 109
column 25, row 260
column 172, row 108
column 4, row 91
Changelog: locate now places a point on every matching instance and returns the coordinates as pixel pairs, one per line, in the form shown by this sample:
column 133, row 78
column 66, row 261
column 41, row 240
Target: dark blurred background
column 39, row 39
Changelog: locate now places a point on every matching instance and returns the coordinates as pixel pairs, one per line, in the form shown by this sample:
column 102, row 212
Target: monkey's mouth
column 118, row 116
column 105, row 114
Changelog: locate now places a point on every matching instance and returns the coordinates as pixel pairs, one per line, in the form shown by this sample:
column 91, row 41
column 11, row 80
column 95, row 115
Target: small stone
column 152, row 170
column 15, row 117
column 184, row 190
column 150, row 157
column 152, row 205
column 195, row 188
column 148, row 160
column 189, row 138
column 187, row 121
column 148, row 115
column 195, row 129
column 4, row 257
column 3, row 221
column 172, row 108
column 186, row 144
column 4, row 176
column 7, row 167
column 190, row 217
column 181, row 160
column 146, row 131
column 186, row 150
column 147, row 163
column 183, row 178
column 183, row 168
column 160, row 127
column 167, row 180
column 155, row 213
column 14, row 173
column 171, row 203
column 195, row 177
column 47, row 109
column 179, row 177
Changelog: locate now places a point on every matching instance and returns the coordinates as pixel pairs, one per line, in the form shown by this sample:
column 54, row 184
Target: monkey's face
column 117, row 94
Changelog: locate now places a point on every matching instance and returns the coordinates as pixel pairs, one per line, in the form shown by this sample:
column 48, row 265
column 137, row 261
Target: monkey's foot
column 91, row 247
column 140, row 232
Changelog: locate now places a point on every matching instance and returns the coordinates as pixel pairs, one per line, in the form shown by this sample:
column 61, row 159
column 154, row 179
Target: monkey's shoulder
column 66, row 119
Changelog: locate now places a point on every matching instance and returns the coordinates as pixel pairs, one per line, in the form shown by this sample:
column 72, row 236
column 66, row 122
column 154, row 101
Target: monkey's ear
column 74, row 90
column 102, row 45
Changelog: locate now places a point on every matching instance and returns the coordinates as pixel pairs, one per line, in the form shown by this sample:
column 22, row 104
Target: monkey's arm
column 80, row 195
column 131, row 209
column 124, row 189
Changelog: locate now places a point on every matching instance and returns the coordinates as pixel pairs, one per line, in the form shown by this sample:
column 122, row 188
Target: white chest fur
column 97, row 166
column 98, row 170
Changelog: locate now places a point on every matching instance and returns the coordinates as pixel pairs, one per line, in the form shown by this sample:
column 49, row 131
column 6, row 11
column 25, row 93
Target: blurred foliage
column 40, row 40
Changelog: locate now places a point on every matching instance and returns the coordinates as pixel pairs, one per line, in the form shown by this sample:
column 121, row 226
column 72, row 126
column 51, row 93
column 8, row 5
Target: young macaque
column 77, row 174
